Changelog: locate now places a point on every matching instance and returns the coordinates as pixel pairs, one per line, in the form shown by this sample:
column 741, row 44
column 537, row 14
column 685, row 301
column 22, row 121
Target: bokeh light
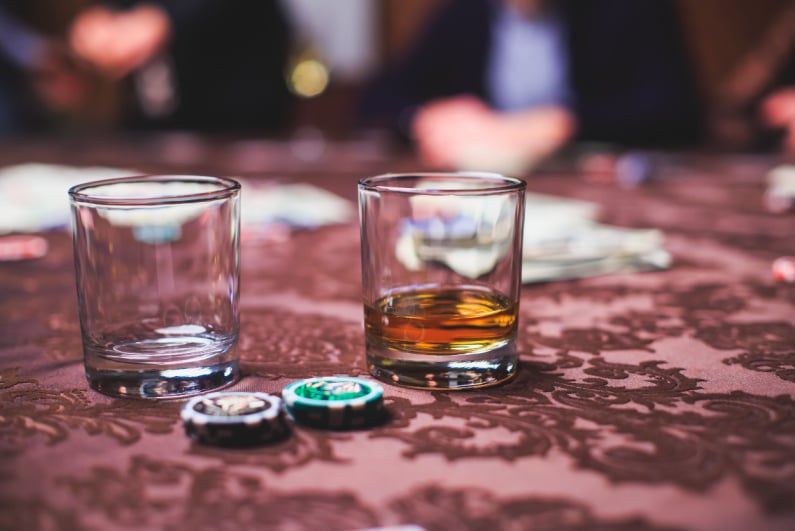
column 308, row 78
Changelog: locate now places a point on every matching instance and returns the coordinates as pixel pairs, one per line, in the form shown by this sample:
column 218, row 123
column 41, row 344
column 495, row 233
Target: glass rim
column 226, row 188
column 492, row 183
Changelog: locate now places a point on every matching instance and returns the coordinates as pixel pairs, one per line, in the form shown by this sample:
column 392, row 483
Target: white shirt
column 528, row 64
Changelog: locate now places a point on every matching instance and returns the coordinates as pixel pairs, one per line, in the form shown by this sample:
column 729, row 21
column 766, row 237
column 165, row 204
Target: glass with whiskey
column 441, row 276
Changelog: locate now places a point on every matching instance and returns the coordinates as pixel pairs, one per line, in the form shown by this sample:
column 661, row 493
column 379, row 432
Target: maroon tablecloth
column 660, row 400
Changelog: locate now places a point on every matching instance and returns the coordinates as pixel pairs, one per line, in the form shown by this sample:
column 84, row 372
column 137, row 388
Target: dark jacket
column 629, row 70
column 229, row 58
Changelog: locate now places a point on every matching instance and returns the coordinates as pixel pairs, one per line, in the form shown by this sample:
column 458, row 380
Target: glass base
column 442, row 372
column 120, row 372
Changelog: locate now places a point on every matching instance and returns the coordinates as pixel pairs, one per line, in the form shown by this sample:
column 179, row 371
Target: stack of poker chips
column 336, row 402
column 235, row 419
column 242, row 419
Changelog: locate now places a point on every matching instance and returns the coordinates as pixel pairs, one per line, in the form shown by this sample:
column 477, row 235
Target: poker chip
column 235, row 419
column 22, row 247
column 784, row 269
column 335, row 402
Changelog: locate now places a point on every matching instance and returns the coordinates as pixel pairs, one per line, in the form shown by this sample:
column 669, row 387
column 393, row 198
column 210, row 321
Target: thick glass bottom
column 442, row 372
column 141, row 371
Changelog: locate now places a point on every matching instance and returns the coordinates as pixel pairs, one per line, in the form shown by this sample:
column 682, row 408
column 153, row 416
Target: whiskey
column 441, row 321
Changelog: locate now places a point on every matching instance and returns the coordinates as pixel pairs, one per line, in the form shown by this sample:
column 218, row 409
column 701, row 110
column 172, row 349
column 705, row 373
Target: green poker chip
column 335, row 402
column 235, row 419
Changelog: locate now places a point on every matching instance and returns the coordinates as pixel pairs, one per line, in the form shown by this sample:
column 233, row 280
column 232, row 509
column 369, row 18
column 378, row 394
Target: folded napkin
column 562, row 240
column 298, row 205
column 33, row 197
column 780, row 190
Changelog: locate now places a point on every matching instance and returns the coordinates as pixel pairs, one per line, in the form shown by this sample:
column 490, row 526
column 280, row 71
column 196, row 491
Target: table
column 658, row 400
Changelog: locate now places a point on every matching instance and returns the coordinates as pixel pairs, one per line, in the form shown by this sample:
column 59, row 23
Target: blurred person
column 517, row 79
column 204, row 65
column 754, row 108
column 39, row 80
column 778, row 112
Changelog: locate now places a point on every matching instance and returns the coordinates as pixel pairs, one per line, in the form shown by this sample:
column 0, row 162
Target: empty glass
column 157, row 263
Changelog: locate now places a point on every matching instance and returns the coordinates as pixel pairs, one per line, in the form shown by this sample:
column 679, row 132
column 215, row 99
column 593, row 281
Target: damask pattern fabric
column 659, row 400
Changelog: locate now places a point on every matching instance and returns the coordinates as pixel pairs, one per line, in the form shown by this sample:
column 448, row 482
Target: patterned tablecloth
column 658, row 400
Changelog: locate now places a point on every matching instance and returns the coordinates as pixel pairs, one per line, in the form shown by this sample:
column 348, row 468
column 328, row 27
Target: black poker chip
column 335, row 402
column 235, row 419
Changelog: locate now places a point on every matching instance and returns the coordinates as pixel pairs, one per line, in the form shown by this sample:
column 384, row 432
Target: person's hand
column 464, row 133
column 119, row 42
column 60, row 84
column 442, row 129
column 778, row 110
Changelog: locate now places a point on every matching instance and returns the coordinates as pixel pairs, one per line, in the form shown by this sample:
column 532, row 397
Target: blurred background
column 277, row 69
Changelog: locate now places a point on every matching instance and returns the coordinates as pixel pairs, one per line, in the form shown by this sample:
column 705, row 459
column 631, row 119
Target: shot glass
column 157, row 261
column 441, row 277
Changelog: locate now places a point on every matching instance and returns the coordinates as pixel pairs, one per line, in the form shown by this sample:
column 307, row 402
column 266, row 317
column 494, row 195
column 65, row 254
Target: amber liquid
column 441, row 321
